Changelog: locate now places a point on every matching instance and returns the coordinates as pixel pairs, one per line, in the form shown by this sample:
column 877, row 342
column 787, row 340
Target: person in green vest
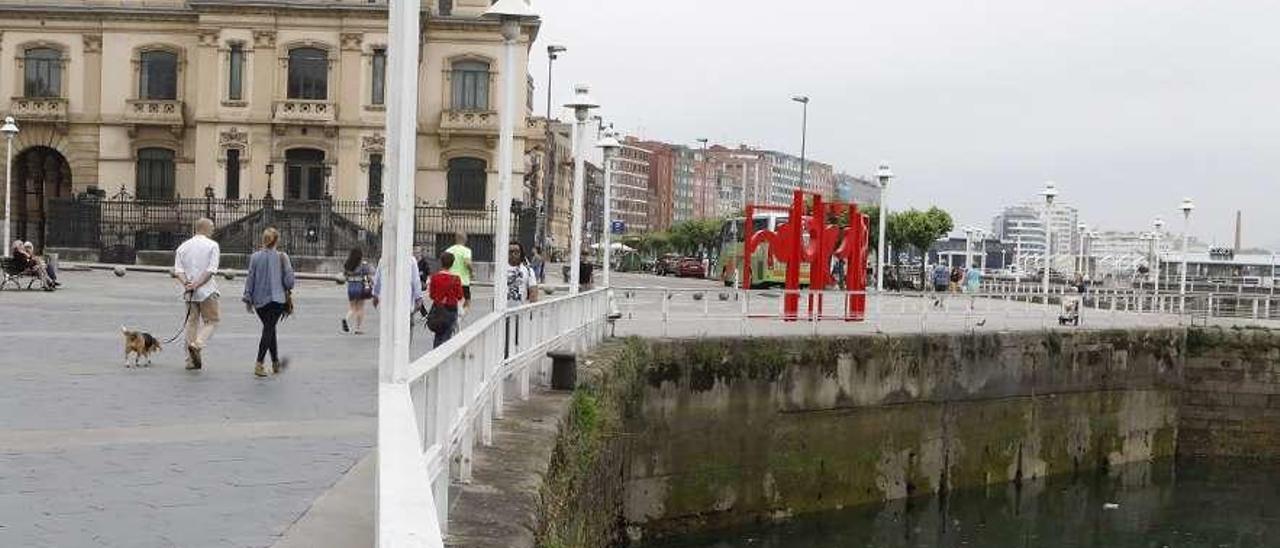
column 462, row 266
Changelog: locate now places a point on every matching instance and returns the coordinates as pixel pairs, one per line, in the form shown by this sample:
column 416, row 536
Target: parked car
column 691, row 267
column 666, row 265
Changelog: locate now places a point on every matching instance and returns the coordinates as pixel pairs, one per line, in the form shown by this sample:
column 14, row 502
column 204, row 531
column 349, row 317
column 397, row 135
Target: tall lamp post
column 1081, row 230
column 582, row 104
column 1050, row 192
column 10, row 130
column 511, row 13
column 884, row 175
column 1155, row 237
column 608, row 146
column 804, row 132
column 549, row 165
column 1187, row 207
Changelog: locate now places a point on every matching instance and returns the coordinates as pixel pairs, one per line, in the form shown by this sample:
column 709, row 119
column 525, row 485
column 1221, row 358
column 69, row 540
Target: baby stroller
column 1070, row 311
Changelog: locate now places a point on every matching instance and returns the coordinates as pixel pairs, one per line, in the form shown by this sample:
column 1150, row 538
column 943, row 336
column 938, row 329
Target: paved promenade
column 93, row 454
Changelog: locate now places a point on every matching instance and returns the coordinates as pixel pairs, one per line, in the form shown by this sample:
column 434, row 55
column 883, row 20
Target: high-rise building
column 1024, row 226
column 851, row 188
column 630, row 186
column 663, row 160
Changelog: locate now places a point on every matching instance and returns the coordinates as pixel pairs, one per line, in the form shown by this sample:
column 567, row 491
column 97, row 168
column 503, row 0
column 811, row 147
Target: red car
column 690, row 267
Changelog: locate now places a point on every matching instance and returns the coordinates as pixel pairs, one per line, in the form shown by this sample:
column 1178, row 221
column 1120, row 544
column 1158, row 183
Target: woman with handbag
column 268, row 290
column 445, row 290
column 359, row 277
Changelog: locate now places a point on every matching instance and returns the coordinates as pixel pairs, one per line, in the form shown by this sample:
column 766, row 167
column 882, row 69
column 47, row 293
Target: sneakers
column 194, row 361
column 277, row 367
column 260, row 371
column 345, row 328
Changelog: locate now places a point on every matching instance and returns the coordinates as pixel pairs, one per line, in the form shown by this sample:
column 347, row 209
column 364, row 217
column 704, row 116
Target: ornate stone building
column 158, row 99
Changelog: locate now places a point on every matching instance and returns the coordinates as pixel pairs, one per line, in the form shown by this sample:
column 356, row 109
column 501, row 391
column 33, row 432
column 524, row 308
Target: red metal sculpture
column 807, row 237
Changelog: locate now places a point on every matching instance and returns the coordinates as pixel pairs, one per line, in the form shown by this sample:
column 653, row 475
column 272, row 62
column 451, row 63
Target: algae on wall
column 734, row 430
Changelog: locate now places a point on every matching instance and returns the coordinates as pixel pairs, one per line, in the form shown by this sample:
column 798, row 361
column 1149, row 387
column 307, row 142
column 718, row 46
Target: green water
column 1216, row 504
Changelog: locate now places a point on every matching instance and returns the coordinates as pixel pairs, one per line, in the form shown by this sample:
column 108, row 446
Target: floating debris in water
column 1110, row 506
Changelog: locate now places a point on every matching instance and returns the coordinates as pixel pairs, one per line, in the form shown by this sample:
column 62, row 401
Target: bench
column 12, row 274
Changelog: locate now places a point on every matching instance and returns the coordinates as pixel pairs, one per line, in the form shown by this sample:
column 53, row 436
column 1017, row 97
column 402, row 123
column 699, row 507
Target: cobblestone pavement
column 94, row 454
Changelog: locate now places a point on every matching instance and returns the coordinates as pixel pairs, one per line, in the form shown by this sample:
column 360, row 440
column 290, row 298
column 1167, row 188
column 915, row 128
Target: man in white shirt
column 522, row 283
column 195, row 264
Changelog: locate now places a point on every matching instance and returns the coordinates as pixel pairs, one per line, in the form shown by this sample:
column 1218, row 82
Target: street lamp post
column 1187, row 207
column 511, row 13
column 582, row 104
column 1081, row 229
column 10, row 130
column 1159, row 226
column 804, row 133
column 549, row 167
column 982, row 260
column 884, row 175
column 701, row 212
column 1050, row 192
column 608, row 147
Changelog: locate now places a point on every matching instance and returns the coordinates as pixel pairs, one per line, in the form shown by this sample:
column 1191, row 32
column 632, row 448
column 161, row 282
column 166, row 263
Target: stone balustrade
column 39, row 109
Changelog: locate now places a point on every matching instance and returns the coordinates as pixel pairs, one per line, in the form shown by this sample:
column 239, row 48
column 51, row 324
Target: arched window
column 158, row 75
column 42, row 73
column 470, row 85
column 467, row 182
column 308, row 74
column 155, row 174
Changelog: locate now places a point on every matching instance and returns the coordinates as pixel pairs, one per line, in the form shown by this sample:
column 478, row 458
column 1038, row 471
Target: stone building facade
column 170, row 98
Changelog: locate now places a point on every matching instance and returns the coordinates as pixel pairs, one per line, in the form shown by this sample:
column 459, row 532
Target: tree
column 920, row 229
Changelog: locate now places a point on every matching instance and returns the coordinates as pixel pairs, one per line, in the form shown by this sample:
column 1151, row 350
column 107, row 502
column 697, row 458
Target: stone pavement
column 94, row 454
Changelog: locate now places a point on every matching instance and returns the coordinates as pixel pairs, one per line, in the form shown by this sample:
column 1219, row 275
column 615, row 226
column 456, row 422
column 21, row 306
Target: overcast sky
column 1128, row 105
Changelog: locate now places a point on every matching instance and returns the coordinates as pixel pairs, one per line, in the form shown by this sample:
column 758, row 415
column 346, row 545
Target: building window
column 378, row 94
column 233, row 174
column 155, row 174
column 235, row 73
column 467, row 182
column 375, row 179
column 304, row 174
column 471, row 85
column 158, row 75
column 446, row 8
column 308, row 74
column 42, row 73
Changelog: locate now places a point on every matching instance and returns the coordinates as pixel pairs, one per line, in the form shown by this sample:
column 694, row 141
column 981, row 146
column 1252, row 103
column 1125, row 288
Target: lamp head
column 609, row 144
column 1159, row 224
column 883, row 173
column 271, row 168
column 801, row 99
column 10, row 128
column 554, row 50
column 582, row 102
column 1050, row 192
column 1187, row 206
column 519, row 10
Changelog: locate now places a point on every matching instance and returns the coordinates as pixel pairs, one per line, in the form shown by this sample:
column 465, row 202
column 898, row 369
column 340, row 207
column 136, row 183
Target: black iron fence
column 120, row 228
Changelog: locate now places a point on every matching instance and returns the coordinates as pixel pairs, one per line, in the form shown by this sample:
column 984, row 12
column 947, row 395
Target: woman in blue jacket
column 266, row 291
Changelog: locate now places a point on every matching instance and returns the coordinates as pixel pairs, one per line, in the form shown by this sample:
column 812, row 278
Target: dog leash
column 182, row 327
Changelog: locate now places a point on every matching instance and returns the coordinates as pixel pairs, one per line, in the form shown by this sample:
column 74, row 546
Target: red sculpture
column 807, row 238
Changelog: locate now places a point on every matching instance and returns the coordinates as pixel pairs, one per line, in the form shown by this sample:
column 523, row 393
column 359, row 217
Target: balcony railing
column 481, row 123
column 38, row 109
column 304, row 111
column 161, row 112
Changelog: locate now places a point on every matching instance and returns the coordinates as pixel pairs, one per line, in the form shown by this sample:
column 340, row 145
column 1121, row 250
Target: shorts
column 466, row 293
column 355, row 292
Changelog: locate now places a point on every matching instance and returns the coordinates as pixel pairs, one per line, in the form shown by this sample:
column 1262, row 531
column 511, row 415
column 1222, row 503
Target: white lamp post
column 1187, row 207
column 511, row 13
column 1050, row 192
column 10, row 130
column 884, row 175
column 608, row 146
column 1159, row 226
column 1081, row 230
column 582, row 104
column 804, row 133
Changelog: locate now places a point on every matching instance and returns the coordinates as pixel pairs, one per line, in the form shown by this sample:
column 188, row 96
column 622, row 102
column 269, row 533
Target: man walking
column 195, row 264
column 462, row 266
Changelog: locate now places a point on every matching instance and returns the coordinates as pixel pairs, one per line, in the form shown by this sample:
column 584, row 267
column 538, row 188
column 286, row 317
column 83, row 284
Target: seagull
column 982, row 322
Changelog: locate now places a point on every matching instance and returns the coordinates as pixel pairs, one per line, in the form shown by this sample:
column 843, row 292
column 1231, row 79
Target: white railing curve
column 430, row 421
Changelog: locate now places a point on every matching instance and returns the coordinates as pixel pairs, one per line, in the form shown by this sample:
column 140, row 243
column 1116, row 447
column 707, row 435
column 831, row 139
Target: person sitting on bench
column 26, row 263
column 49, row 268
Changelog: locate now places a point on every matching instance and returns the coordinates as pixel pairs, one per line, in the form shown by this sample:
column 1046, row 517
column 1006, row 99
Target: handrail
column 449, row 399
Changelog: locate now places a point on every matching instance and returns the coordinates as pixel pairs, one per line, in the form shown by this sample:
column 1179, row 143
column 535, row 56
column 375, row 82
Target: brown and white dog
column 140, row 344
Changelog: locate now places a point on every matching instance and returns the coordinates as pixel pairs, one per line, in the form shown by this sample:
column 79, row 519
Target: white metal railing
column 429, row 424
column 715, row 311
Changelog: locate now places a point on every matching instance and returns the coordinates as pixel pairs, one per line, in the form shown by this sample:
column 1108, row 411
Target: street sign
column 618, row 227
